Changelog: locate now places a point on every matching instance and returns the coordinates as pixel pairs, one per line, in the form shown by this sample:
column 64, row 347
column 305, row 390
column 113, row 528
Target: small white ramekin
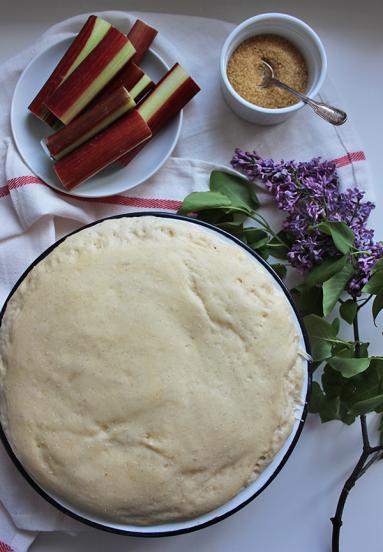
column 297, row 32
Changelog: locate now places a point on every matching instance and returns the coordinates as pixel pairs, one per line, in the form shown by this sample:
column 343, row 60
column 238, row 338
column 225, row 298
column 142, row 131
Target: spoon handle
column 331, row 114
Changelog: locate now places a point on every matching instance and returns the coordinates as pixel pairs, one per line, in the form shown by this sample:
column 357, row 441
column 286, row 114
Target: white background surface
column 293, row 513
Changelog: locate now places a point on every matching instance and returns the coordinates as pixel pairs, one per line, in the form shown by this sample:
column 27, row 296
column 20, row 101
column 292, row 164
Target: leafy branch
column 367, row 458
column 360, row 468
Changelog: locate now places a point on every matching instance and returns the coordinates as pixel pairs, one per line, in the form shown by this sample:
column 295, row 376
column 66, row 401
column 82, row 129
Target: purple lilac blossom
column 309, row 193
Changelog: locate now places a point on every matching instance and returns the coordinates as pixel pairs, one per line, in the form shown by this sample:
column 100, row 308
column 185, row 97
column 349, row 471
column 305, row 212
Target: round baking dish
column 243, row 497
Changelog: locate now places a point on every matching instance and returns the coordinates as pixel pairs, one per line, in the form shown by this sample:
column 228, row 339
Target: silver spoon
column 331, row 114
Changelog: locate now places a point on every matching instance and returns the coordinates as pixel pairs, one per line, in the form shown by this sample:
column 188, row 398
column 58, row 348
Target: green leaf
column 233, row 227
column 375, row 283
column 264, row 252
column 349, row 367
column 316, row 399
column 333, row 382
column 279, row 250
column 368, row 405
column 345, row 415
column 333, row 288
column 280, row 269
column 309, row 301
column 365, row 385
column 335, row 388
column 342, row 235
column 253, row 234
column 200, row 201
column 377, row 305
column 378, row 265
column 319, row 332
column 324, row 271
column 336, row 325
column 344, row 349
column 236, row 189
column 318, row 327
column 363, row 350
column 349, row 391
column 215, row 216
column 329, row 408
column 348, row 310
column 254, row 197
column 260, row 245
column 255, row 237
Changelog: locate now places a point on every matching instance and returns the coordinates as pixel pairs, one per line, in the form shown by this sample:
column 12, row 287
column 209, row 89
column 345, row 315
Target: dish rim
column 141, row 529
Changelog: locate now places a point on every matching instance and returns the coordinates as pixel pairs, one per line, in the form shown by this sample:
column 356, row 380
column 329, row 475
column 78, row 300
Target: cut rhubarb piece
column 90, row 35
column 142, row 87
column 169, row 96
column 131, row 77
column 125, row 134
column 90, row 77
column 48, row 118
column 141, row 36
column 90, row 123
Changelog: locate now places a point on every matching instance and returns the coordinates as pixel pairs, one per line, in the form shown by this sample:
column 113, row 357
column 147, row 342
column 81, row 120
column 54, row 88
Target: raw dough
column 148, row 370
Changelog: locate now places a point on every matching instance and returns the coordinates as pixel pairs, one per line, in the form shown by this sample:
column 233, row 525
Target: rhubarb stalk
column 90, row 35
column 90, row 77
column 102, row 150
column 169, row 96
column 90, row 123
column 131, row 77
column 141, row 36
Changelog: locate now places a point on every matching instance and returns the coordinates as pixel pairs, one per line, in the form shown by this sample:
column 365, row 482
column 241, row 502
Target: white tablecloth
column 33, row 216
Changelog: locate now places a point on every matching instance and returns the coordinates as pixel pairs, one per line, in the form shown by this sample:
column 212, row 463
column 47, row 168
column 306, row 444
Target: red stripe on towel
column 4, row 191
column 18, row 183
column 22, row 181
column 143, row 203
column 349, row 158
column 5, row 547
column 146, row 203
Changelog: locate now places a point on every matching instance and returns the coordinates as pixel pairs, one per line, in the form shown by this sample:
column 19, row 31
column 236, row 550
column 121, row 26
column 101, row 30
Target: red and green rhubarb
column 141, row 36
column 90, row 123
column 88, row 38
column 90, row 77
column 106, row 147
column 91, row 91
column 131, row 77
column 169, row 96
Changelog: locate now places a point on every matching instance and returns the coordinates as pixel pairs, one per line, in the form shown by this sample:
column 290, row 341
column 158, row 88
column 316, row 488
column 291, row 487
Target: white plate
column 28, row 131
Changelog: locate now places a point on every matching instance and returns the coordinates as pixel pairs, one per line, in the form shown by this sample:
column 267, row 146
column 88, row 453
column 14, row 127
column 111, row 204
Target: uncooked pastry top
column 148, row 370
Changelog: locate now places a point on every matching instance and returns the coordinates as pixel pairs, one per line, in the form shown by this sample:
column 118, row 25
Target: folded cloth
column 33, row 215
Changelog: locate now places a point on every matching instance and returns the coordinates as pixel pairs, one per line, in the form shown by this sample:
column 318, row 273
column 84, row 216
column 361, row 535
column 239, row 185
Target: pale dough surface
column 148, row 370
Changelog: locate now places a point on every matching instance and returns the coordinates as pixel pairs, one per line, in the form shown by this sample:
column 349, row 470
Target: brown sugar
column 244, row 70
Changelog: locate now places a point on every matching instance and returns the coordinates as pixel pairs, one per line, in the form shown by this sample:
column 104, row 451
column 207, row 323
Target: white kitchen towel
column 33, row 216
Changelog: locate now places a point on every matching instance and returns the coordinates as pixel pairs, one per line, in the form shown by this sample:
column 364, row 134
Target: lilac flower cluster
column 309, row 193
